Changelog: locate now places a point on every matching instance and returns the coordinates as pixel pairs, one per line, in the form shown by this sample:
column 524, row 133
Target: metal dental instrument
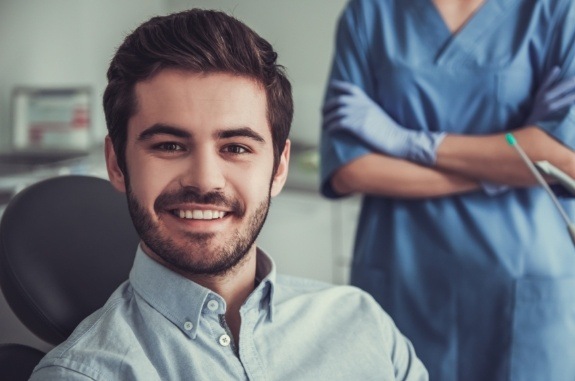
column 513, row 142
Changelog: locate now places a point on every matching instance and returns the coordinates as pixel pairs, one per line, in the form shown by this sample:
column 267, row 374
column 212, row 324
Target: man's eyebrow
column 240, row 132
column 163, row 129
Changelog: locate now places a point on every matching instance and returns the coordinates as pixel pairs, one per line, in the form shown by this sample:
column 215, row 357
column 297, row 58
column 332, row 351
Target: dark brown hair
column 201, row 41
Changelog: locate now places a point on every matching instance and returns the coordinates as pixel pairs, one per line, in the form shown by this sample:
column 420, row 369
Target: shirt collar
column 266, row 277
column 182, row 301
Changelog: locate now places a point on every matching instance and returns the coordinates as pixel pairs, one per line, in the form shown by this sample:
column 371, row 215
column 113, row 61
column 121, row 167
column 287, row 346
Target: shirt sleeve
column 350, row 64
column 57, row 373
column 407, row 366
column 561, row 124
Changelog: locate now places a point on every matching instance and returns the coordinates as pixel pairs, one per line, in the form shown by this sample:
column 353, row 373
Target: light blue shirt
column 482, row 285
column 162, row 326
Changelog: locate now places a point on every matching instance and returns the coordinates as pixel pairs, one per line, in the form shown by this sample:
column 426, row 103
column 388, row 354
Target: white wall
column 63, row 42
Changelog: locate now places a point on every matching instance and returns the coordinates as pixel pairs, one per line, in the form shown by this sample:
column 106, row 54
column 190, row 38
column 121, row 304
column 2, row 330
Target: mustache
column 188, row 195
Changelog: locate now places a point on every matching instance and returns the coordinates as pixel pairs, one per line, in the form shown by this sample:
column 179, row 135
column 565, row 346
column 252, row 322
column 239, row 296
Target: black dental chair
column 65, row 245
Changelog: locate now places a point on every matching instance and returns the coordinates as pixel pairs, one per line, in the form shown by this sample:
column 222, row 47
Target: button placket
column 224, row 340
column 213, row 305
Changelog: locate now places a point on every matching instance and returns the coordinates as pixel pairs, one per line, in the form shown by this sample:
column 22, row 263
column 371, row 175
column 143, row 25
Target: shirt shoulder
column 330, row 295
column 99, row 346
column 318, row 310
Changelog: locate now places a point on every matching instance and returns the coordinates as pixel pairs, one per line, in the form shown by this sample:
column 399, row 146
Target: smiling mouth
column 198, row 214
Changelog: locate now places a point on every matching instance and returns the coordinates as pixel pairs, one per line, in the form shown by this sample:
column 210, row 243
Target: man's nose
column 204, row 172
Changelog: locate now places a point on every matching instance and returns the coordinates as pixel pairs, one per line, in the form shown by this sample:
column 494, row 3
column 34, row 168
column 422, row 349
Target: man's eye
column 168, row 147
column 235, row 149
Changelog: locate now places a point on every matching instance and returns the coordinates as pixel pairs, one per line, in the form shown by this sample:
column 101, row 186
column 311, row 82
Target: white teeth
column 199, row 214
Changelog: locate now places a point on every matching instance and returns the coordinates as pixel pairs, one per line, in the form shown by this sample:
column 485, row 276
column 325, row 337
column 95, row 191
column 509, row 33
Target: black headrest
column 17, row 361
column 65, row 244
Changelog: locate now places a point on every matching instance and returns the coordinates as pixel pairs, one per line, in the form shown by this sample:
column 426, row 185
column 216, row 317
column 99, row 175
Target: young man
column 198, row 114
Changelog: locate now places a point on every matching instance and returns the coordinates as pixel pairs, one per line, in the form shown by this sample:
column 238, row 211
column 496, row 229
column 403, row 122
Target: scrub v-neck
column 448, row 46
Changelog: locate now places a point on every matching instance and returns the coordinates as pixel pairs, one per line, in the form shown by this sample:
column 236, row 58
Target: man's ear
column 281, row 174
column 114, row 172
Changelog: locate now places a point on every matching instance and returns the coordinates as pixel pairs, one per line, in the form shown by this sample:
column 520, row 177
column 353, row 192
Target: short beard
column 193, row 257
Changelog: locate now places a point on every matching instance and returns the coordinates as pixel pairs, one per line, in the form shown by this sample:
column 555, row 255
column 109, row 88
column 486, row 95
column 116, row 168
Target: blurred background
column 57, row 51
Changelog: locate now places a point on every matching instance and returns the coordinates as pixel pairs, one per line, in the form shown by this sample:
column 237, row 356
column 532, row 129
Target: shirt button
column 188, row 326
column 225, row 340
column 213, row 305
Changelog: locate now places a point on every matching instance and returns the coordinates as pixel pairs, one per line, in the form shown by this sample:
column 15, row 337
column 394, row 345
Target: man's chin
column 180, row 260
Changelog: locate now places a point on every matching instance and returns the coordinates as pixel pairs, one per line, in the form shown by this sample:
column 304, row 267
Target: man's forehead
column 187, row 99
column 179, row 88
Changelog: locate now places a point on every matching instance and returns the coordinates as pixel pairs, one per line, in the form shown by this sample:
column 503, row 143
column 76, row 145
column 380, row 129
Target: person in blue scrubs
column 455, row 239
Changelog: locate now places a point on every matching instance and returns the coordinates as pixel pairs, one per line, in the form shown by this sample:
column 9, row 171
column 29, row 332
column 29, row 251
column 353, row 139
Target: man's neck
column 234, row 286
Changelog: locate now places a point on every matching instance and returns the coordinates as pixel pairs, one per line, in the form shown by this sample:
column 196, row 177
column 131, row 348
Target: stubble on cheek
column 197, row 253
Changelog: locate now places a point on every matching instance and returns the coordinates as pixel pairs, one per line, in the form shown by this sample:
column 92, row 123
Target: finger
column 336, row 103
column 341, row 86
column 330, row 119
column 337, row 115
column 332, row 110
column 562, row 102
column 331, row 105
column 551, row 77
column 337, row 126
column 564, row 87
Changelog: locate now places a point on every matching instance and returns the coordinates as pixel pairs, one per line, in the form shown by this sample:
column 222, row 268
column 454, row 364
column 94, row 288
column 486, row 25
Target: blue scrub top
column 483, row 285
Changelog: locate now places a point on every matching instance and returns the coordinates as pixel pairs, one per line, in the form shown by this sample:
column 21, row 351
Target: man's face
column 199, row 160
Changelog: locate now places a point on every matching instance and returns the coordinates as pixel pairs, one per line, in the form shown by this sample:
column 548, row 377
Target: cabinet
column 298, row 235
column 345, row 214
column 310, row 236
